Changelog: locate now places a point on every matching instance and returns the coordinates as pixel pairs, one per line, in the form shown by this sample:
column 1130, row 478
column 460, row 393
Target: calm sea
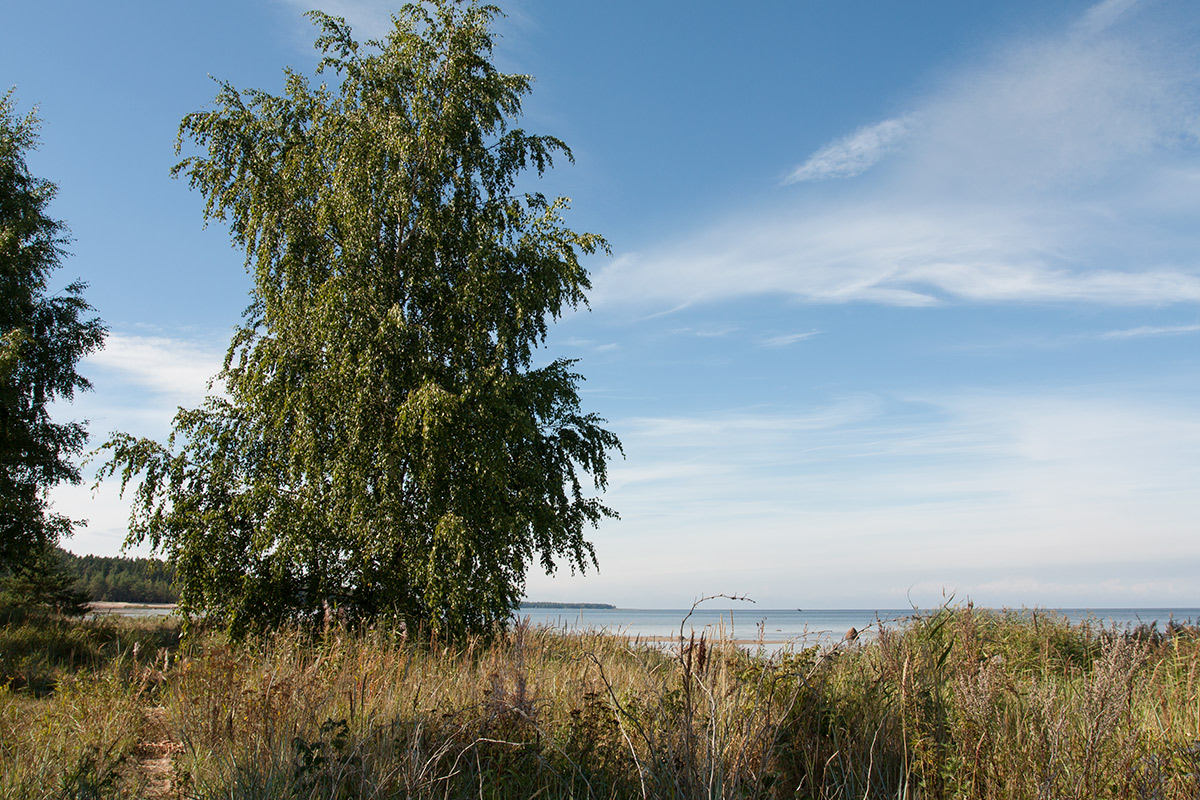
column 809, row 626
column 777, row 626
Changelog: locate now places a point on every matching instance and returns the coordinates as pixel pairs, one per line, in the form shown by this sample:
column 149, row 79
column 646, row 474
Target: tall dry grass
column 72, row 700
column 957, row 704
column 970, row 704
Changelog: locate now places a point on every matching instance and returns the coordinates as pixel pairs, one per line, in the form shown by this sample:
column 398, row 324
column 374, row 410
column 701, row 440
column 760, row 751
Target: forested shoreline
column 117, row 579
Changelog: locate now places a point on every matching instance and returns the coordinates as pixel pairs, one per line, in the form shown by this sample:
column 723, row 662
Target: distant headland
column 544, row 604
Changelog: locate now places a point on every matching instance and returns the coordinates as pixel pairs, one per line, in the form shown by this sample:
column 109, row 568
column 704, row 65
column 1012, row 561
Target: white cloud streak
column 1104, row 15
column 901, row 257
column 140, row 382
column 789, row 338
column 1151, row 330
column 854, row 154
column 998, row 495
column 161, row 365
column 1060, row 170
column 370, row 19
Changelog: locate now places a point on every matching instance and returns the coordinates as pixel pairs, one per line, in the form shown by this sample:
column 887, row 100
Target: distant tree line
column 123, row 580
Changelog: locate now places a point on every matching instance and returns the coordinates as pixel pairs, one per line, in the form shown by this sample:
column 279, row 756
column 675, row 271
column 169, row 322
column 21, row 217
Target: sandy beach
column 98, row 607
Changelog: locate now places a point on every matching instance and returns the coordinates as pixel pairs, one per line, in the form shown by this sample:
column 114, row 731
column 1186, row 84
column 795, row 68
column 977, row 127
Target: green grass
column 959, row 704
column 37, row 650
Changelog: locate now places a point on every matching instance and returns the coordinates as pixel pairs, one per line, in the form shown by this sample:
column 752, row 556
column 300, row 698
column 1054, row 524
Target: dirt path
column 154, row 753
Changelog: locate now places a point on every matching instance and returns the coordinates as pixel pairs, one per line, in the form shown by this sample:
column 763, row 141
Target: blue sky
column 902, row 300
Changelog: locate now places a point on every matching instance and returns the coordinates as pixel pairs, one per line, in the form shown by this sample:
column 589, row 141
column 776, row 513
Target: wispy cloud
column 593, row 345
column 997, row 494
column 159, row 364
column 905, row 257
column 788, row 338
column 1151, row 330
column 855, row 153
column 370, row 19
column 710, row 332
column 693, row 432
column 1058, row 169
column 1103, row 15
column 140, row 382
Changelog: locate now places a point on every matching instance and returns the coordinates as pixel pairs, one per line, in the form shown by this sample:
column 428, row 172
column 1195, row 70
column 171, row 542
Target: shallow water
column 774, row 626
column 134, row 611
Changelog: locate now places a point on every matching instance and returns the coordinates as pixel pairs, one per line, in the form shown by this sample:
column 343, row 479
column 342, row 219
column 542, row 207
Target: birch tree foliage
column 386, row 443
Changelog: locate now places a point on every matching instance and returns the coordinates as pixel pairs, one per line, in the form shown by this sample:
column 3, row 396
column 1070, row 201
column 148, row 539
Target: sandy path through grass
column 154, row 753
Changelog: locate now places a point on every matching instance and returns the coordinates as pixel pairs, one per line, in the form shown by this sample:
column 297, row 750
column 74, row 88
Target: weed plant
column 960, row 703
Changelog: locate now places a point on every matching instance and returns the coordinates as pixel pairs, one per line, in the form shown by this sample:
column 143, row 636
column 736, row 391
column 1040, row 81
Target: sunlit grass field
column 960, row 703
